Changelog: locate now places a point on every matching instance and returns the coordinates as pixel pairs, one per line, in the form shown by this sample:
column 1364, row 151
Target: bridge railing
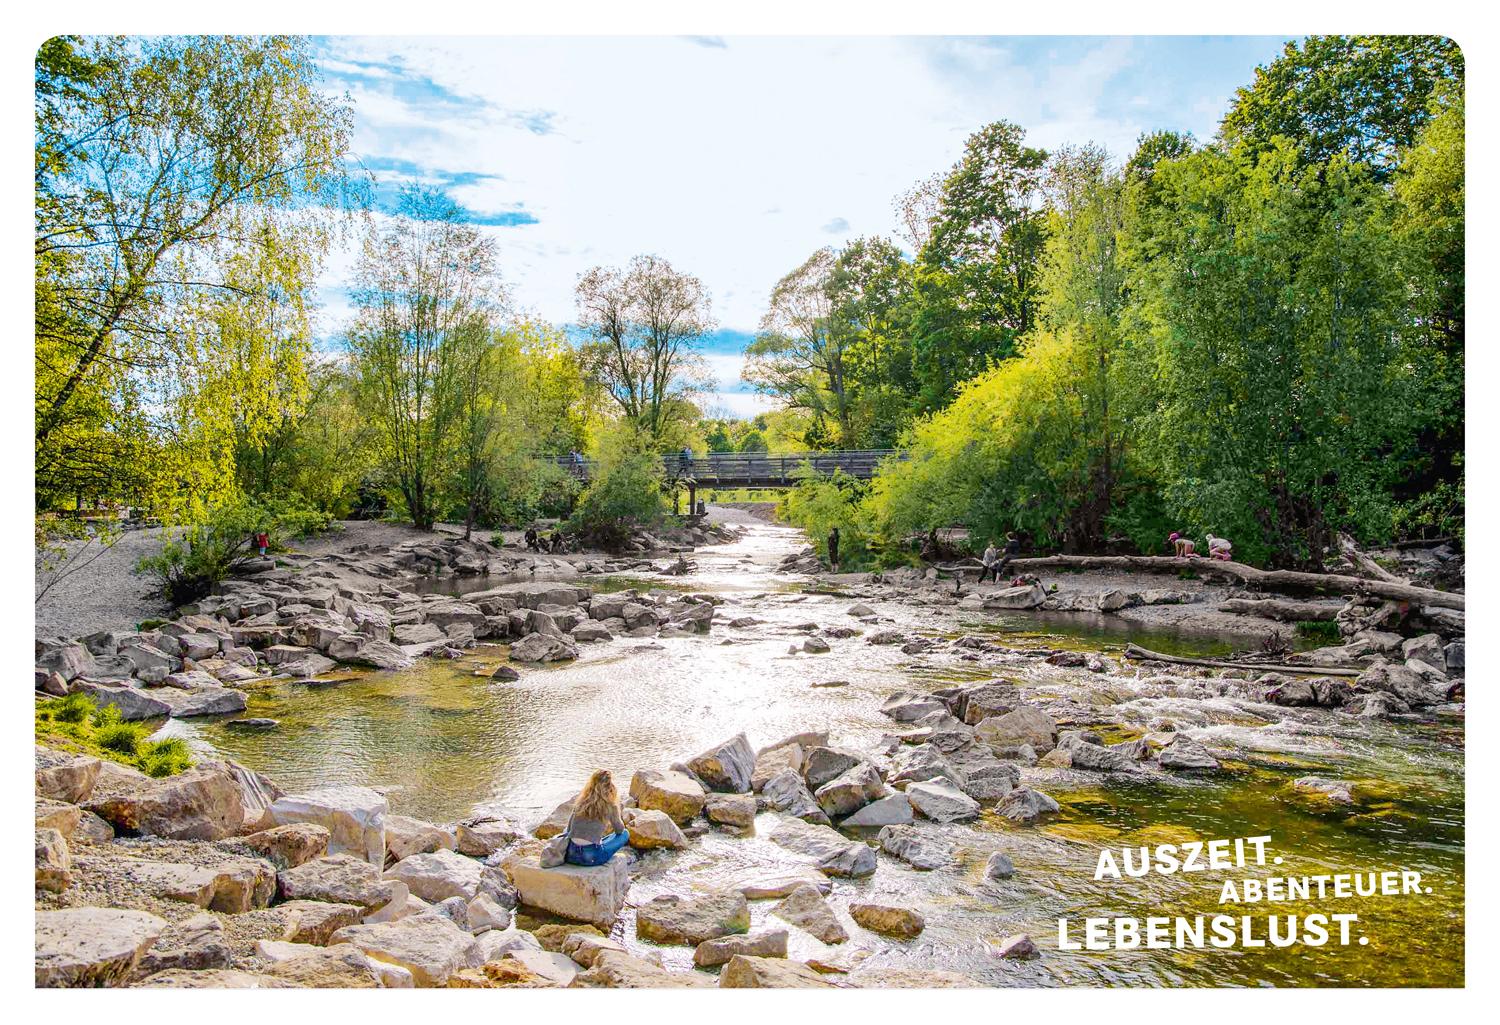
column 754, row 469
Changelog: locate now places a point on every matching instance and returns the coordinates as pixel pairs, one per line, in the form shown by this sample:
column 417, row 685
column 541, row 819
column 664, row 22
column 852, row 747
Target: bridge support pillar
column 692, row 497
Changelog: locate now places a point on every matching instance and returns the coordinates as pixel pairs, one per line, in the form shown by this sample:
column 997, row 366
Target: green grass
column 1319, row 629
column 75, row 723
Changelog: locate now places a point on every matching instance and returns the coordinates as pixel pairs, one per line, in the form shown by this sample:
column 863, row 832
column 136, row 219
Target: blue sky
column 735, row 157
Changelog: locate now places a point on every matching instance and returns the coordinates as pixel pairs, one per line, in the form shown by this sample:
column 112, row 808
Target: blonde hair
column 597, row 798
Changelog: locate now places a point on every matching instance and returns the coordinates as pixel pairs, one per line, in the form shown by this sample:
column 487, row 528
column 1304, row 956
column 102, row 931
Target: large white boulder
column 830, row 851
column 439, row 875
column 353, row 816
column 941, row 801
column 573, row 891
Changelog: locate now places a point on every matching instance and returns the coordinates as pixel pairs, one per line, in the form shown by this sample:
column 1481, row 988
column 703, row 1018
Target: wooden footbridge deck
column 754, row 469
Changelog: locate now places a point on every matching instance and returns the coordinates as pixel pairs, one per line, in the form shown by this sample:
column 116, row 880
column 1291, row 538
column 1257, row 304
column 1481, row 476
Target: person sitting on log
column 595, row 831
column 1182, row 547
column 1220, row 548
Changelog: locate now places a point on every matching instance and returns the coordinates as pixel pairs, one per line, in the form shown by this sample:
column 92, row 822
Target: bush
column 625, row 495
column 165, row 757
column 819, row 503
column 205, row 553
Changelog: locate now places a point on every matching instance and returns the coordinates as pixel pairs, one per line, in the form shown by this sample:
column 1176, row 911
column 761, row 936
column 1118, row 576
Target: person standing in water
column 833, row 549
column 595, row 831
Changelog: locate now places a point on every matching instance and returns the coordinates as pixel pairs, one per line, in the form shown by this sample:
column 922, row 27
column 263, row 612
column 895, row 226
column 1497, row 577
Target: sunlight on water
column 440, row 739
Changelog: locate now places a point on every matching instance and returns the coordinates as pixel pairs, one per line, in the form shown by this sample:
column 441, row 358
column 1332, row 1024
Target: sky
column 732, row 157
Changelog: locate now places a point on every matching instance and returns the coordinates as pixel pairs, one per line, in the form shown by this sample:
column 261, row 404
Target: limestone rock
column 769, row 763
column 619, row 970
column 690, row 920
column 543, row 648
column 1018, row 947
column 776, row 883
column 1186, row 753
column 340, row 967
column 890, row 921
column 354, row 817
column 194, row 945
column 315, row 921
column 291, row 845
column 650, row 829
column 770, row 943
column 727, row 767
column 805, row 908
column 406, row 836
column 675, row 793
column 213, row 978
column 438, row 876
column 484, row 914
column 1025, row 725
column 211, row 801
column 736, row 810
column 53, row 863
column 785, row 792
column 999, row 866
column 941, row 801
column 133, row 704
column 888, row 811
column 429, row 946
column 851, row 791
column 831, row 852
column 825, row 764
column 1027, row 596
column 910, row 845
column 483, row 835
column 769, row 973
column 1026, row 805
column 342, row 879
column 583, row 894
column 90, row 947
column 63, row 777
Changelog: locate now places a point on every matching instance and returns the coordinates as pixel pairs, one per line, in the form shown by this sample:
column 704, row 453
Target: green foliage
column 76, row 723
column 1362, row 97
column 625, row 493
column 202, row 554
column 821, row 502
column 186, row 188
column 1321, row 630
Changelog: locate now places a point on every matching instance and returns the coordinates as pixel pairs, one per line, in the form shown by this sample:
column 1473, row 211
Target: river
column 442, row 738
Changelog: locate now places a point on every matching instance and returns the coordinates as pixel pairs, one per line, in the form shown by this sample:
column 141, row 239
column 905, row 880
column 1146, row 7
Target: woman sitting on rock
column 595, row 831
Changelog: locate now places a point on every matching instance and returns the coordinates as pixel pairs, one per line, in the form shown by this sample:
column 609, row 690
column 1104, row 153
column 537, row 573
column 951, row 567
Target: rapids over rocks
column 443, row 737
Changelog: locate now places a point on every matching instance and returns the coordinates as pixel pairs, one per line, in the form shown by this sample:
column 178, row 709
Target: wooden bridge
column 753, row 469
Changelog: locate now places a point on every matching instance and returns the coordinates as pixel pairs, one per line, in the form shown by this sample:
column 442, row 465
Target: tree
column 426, row 297
column 976, row 274
column 181, row 182
column 799, row 354
column 647, row 322
column 1367, row 97
column 1272, row 293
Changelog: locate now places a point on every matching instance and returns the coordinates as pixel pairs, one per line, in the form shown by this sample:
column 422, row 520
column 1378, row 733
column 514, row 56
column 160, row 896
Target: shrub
column 625, row 494
column 819, row 503
column 76, row 707
column 164, row 757
column 203, row 554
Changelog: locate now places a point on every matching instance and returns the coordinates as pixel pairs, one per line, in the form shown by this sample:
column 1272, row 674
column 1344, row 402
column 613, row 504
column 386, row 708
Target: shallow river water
column 439, row 740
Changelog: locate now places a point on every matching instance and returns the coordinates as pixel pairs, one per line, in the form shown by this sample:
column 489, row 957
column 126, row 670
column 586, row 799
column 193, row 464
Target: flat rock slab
column 830, row 851
column 429, row 946
column 807, row 910
column 90, row 947
column 691, row 920
column 771, row 943
column 744, row 972
column 439, row 875
column 341, row 879
column 583, row 894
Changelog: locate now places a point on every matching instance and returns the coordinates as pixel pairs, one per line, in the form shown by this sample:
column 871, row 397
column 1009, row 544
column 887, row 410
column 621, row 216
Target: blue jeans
column 590, row 854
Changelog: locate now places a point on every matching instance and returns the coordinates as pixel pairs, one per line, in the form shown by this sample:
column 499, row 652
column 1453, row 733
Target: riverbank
column 888, row 676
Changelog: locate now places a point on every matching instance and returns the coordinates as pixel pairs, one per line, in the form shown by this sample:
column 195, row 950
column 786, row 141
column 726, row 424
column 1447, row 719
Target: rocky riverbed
column 836, row 782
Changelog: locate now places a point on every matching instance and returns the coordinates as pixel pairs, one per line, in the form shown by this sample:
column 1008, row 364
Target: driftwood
column 1136, row 651
column 1284, row 609
column 1269, row 579
column 1366, row 565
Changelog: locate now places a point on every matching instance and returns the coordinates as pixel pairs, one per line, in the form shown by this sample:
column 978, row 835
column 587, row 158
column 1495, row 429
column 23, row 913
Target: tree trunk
column 1274, row 579
column 1135, row 651
column 1284, row 610
column 1366, row 565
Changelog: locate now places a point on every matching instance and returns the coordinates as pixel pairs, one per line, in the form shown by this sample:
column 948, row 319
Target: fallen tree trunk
column 1285, row 610
column 1269, row 579
column 1136, row 651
